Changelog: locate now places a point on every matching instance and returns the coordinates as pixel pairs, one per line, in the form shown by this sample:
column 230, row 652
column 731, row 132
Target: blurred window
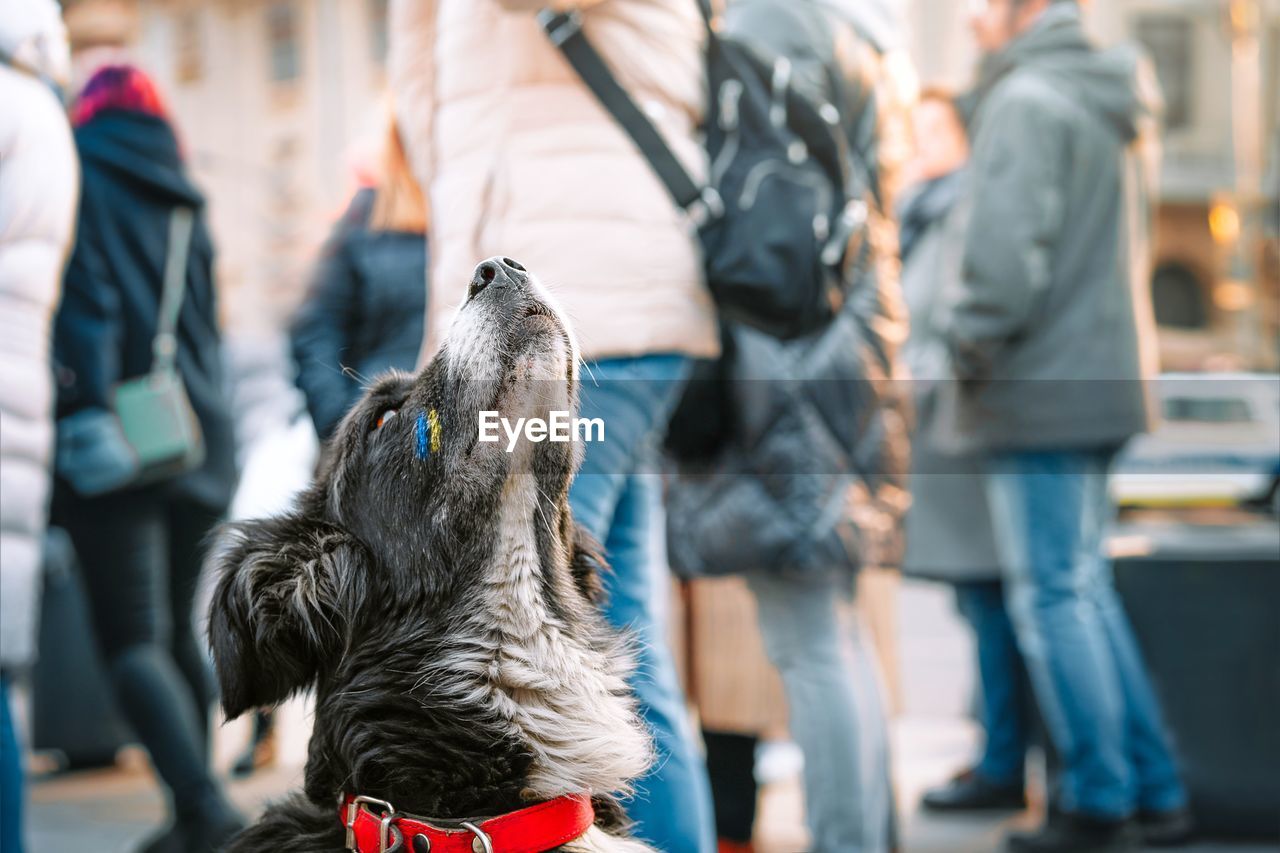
column 282, row 35
column 378, row 30
column 189, row 60
column 1168, row 39
column 1178, row 297
column 1213, row 410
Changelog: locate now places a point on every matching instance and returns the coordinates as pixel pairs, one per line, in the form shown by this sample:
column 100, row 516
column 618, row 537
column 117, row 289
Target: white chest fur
column 567, row 701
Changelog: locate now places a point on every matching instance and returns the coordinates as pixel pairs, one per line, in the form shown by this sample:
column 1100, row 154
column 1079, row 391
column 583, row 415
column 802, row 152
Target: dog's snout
column 496, row 272
column 486, row 273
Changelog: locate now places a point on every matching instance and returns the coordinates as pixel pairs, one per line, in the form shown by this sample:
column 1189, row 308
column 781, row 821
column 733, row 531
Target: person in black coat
column 362, row 315
column 140, row 547
column 364, row 312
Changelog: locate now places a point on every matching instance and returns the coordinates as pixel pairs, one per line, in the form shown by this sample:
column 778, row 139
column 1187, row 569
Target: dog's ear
column 286, row 589
column 586, row 563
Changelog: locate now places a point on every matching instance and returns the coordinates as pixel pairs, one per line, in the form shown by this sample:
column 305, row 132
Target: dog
column 436, row 594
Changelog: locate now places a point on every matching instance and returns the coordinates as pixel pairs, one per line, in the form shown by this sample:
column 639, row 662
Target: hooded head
column 122, row 127
column 1115, row 85
column 994, row 23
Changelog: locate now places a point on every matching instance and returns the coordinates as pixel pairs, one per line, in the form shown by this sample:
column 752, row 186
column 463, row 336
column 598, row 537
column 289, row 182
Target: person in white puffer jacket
column 38, row 187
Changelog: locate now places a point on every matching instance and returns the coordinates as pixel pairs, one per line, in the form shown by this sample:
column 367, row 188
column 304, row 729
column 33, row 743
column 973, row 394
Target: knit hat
column 119, row 87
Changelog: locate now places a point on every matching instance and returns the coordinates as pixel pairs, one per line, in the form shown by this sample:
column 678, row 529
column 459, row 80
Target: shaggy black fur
column 361, row 592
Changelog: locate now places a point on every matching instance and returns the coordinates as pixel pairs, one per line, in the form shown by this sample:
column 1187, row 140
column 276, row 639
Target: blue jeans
column 1005, row 715
column 617, row 496
column 10, row 777
column 811, row 635
column 1051, row 510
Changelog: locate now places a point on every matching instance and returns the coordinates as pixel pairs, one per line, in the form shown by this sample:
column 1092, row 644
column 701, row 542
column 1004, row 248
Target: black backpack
column 779, row 209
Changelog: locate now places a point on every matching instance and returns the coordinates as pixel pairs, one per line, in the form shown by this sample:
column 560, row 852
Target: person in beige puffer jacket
column 519, row 160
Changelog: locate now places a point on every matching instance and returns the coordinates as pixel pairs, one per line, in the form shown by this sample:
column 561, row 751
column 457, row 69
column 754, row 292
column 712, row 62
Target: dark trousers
column 141, row 555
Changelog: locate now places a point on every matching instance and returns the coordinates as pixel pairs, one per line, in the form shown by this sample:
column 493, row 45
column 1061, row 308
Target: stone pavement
column 109, row 812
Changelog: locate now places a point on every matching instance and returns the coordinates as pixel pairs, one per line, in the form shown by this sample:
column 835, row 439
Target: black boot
column 170, row 840
column 1065, row 832
column 208, row 823
column 212, row 837
column 194, row 836
column 731, row 762
column 1167, row 828
column 970, row 791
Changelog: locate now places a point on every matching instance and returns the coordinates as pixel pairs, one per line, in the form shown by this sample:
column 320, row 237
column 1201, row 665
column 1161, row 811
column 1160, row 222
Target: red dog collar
column 535, row 829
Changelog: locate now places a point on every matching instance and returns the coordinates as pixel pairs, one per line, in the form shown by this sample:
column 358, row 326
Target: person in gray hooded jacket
column 1050, row 334
column 1052, row 331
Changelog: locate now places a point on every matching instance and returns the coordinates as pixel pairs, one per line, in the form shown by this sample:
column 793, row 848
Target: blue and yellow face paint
column 428, row 433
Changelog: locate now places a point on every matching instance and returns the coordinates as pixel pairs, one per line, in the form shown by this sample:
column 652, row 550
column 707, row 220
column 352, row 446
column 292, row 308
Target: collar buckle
column 384, row 824
column 481, row 842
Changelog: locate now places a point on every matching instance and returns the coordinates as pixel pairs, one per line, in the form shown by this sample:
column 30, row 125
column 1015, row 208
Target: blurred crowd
column 1001, row 265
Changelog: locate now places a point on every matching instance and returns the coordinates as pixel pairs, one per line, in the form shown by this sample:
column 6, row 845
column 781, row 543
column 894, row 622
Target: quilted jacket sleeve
column 320, row 336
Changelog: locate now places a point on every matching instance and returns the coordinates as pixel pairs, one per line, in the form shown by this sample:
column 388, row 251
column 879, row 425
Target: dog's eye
column 385, row 418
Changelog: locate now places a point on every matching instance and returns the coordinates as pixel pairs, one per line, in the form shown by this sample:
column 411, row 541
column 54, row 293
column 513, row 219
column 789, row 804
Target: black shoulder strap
column 565, row 31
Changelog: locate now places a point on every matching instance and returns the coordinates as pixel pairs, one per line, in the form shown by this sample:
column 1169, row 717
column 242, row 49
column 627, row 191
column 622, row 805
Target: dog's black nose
column 498, row 272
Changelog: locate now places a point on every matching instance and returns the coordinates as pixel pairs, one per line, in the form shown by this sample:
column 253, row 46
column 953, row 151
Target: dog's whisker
column 349, row 371
column 538, row 505
column 586, row 366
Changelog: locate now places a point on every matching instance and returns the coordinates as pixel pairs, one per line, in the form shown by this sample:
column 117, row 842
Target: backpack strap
column 164, row 346
column 565, row 31
column 704, row 7
column 12, row 61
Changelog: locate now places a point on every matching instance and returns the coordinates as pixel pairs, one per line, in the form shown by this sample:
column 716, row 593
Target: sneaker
column 1167, row 828
column 1075, row 833
column 970, row 791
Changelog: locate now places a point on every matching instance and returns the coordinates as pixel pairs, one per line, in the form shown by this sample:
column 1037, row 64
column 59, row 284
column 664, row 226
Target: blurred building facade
column 1218, row 62
column 279, row 105
column 274, row 99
